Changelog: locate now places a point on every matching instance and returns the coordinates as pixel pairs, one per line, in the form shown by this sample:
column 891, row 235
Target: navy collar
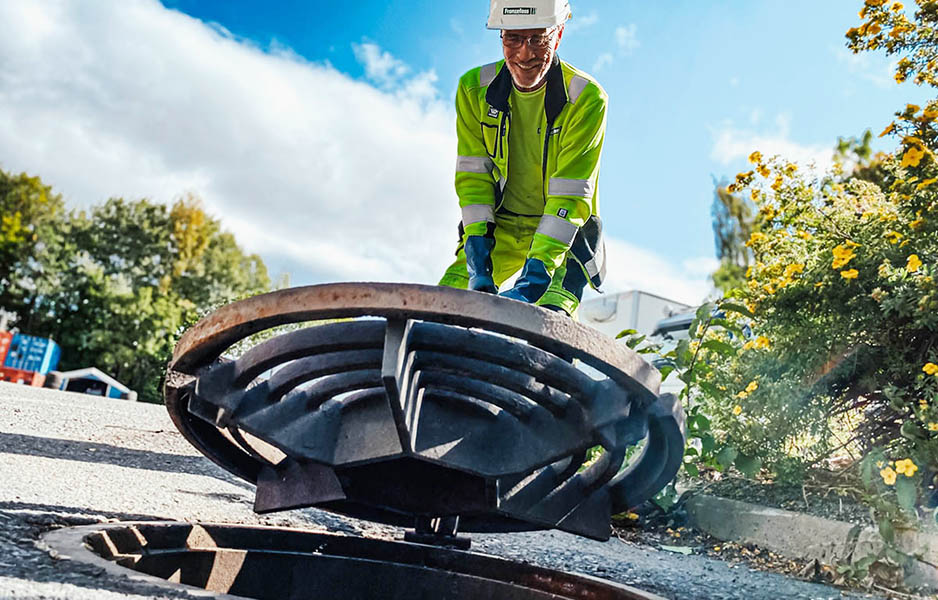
column 555, row 97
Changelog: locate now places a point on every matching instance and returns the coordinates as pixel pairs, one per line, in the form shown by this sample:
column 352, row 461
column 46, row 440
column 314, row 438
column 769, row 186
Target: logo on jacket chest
column 493, row 112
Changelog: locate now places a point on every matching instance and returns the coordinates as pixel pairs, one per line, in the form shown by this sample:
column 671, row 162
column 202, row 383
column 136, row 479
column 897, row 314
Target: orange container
column 25, row 377
column 5, row 338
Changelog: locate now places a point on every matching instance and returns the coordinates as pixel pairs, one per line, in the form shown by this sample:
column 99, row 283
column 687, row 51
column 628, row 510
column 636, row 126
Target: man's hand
column 479, row 263
column 532, row 284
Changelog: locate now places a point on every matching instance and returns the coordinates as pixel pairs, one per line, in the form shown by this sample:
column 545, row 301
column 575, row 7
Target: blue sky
column 765, row 69
column 322, row 133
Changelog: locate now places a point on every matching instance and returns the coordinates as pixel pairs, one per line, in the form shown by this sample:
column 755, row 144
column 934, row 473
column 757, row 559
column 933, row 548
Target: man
column 539, row 210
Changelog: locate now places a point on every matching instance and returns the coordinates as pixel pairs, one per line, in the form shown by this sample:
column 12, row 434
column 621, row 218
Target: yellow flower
column 777, row 184
column 899, row 76
column 755, row 158
column 804, row 235
column 930, row 368
column 933, row 427
column 893, row 237
column 897, row 6
column 737, row 409
column 753, row 386
column 889, row 129
column 843, row 254
column 764, row 171
column 884, row 268
column 740, row 177
column 761, row 342
column 912, row 157
column 840, row 262
column 906, row 467
column 923, row 404
column 930, row 114
column 754, row 194
column 742, row 396
column 925, row 184
column 914, row 225
column 769, row 289
column 755, row 238
column 912, row 108
column 631, row 516
column 851, row 274
column 790, row 169
column 888, row 475
column 874, row 28
column 913, row 263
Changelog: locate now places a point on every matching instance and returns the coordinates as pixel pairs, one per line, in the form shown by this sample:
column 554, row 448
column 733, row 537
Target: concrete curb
column 803, row 536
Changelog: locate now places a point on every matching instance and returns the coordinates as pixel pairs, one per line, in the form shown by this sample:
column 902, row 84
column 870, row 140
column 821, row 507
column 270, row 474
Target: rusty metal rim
column 71, row 543
column 205, row 341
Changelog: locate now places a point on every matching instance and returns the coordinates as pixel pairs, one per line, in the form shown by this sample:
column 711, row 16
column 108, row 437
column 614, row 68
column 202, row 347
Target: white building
column 638, row 310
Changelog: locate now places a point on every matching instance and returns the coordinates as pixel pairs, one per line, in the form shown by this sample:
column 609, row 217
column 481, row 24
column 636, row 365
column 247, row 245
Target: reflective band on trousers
column 474, row 164
column 477, row 213
column 581, row 188
column 561, row 230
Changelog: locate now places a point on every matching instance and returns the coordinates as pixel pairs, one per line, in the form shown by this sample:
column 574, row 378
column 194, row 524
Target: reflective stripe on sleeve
column 477, row 213
column 474, row 164
column 487, row 74
column 581, row 188
column 576, row 87
column 560, row 229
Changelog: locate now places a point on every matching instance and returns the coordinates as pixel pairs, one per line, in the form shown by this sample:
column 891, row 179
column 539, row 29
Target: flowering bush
column 841, row 297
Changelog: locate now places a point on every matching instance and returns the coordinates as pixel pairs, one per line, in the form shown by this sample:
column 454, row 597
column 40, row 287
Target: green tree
column 733, row 221
column 115, row 284
column 31, row 236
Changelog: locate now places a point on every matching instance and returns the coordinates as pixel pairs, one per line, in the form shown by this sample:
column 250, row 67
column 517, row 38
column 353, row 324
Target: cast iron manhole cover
column 425, row 407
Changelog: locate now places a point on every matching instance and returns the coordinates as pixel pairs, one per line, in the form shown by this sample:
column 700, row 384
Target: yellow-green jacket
column 572, row 131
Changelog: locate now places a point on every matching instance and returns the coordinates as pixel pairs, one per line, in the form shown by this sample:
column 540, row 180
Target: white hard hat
column 528, row 14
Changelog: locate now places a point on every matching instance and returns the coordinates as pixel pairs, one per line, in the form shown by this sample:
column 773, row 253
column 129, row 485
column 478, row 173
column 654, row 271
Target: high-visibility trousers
column 513, row 235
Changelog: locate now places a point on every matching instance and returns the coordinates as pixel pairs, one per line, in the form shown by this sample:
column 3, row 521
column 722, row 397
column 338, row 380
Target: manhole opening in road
column 274, row 563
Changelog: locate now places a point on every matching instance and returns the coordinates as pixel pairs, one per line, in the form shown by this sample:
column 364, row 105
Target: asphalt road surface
column 70, row 459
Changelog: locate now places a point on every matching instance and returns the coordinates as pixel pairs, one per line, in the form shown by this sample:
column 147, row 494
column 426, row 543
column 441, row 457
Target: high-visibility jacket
column 572, row 131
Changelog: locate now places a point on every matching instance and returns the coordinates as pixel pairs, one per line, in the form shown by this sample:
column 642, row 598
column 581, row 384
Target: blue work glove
column 479, row 263
column 532, row 284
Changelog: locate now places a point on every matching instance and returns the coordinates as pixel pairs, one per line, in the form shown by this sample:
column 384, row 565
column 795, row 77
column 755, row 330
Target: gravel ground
column 69, row 459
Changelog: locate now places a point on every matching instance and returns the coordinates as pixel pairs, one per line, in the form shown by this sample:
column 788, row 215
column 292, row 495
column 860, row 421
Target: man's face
column 528, row 54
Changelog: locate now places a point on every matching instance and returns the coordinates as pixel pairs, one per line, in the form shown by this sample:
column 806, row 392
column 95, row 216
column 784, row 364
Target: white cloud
column 870, row 67
column 335, row 177
column 732, row 143
column 627, row 39
column 586, row 21
column 380, row 66
column 602, row 61
column 632, row 268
